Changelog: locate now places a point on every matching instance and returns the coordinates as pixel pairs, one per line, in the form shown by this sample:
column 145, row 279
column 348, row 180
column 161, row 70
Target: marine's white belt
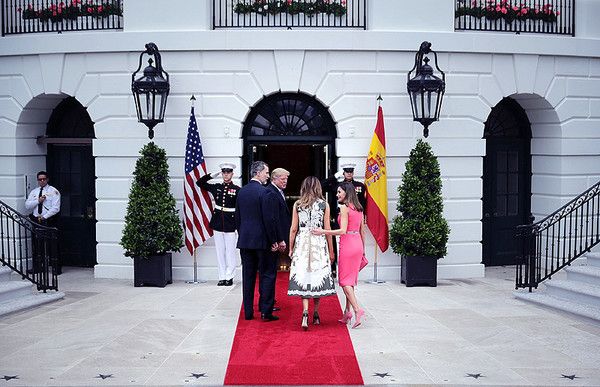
column 225, row 209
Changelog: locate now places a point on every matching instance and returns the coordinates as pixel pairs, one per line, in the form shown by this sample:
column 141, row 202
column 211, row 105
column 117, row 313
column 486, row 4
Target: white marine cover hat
column 348, row 167
column 227, row 166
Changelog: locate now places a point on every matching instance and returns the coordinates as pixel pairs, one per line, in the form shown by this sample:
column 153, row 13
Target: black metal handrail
column 535, row 16
column 29, row 249
column 31, row 16
column 289, row 14
column 554, row 242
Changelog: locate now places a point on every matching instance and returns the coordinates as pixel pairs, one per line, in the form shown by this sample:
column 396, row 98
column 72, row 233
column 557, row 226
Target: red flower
column 89, row 9
column 99, row 8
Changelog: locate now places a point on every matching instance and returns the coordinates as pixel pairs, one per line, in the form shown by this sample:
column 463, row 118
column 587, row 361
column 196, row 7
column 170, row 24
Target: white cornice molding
column 323, row 40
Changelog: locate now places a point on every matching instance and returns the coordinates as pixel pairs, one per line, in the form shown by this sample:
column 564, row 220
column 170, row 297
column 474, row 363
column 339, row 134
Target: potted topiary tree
column 152, row 226
column 420, row 233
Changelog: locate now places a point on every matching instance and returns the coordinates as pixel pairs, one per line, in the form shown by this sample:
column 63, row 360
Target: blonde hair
column 279, row 172
column 310, row 192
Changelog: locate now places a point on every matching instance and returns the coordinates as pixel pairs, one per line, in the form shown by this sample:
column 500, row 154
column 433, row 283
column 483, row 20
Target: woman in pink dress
column 352, row 248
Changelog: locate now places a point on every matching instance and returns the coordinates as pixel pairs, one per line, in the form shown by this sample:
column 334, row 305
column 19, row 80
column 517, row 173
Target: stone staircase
column 578, row 293
column 17, row 294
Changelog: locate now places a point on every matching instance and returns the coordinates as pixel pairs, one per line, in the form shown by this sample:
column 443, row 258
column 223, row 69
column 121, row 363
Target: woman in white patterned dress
column 310, row 271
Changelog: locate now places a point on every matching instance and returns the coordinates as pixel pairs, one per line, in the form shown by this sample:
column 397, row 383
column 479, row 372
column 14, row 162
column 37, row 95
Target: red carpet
column 281, row 353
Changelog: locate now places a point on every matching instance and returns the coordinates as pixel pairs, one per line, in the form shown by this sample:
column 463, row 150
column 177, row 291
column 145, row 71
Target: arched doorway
column 70, row 164
column 506, row 181
column 294, row 131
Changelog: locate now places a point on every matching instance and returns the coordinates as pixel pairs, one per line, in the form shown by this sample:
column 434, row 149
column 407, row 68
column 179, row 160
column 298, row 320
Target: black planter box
column 418, row 271
column 154, row 271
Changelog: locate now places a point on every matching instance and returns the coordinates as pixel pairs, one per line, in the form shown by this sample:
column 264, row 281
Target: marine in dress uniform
column 331, row 185
column 44, row 202
column 223, row 221
column 346, row 174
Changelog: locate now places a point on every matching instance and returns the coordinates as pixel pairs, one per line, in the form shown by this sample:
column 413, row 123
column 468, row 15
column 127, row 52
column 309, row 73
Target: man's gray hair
column 256, row 167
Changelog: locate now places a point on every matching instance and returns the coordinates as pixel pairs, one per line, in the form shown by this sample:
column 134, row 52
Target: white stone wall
column 230, row 71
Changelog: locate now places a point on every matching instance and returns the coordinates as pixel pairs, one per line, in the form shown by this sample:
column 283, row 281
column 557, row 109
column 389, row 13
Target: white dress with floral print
column 310, row 271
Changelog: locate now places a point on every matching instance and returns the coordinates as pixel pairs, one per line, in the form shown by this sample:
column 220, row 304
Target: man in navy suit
column 257, row 237
column 279, row 179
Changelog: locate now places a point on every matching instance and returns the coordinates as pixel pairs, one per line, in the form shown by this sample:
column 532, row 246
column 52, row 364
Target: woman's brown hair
column 351, row 197
column 310, row 192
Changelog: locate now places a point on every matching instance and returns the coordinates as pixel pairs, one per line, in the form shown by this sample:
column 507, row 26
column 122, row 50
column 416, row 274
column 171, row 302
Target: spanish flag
column 376, row 181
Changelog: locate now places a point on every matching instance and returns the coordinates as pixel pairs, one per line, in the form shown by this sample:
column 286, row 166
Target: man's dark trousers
column 39, row 253
column 261, row 261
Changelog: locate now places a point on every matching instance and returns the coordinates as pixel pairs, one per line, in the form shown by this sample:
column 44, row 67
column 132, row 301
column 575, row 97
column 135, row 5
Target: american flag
column 197, row 208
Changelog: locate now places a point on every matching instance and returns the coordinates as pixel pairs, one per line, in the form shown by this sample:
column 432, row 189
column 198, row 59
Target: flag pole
column 375, row 280
column 195, row 280
column 375, row 259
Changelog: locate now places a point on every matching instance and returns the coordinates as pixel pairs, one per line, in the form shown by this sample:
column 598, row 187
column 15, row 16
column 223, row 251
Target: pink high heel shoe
column 357, row 318
column 347, row 316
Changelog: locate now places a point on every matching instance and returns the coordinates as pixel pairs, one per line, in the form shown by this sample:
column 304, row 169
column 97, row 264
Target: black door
column 506, row 182
column 70, row 162
column 72, row 170
column 301, row 160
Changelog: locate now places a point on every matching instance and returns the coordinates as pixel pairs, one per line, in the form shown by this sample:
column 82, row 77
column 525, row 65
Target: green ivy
column 420, row 228
column 152, row 225
column 264, row 7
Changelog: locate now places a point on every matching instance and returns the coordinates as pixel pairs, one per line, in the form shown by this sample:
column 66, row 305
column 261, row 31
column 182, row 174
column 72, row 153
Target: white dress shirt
column 50, row 206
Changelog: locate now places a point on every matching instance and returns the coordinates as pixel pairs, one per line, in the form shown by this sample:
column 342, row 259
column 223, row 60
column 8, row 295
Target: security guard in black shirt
column 223, row 221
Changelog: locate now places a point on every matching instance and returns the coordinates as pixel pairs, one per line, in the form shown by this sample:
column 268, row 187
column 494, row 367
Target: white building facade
column 542, row 144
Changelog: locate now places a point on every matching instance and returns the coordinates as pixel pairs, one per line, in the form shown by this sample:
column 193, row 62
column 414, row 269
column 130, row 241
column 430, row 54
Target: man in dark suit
column 257, row 237
column 279, row 179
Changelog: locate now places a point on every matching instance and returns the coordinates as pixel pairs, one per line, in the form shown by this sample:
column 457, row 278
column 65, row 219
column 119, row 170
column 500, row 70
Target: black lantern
column 425, row 90
column 150, row 91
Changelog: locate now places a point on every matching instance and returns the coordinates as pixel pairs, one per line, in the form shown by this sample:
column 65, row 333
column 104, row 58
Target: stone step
column 574, row 291
column 586, row 274
column 5, row 273
column 593, row 259
column 10, row 290
column 547, row 300
column 29, row 301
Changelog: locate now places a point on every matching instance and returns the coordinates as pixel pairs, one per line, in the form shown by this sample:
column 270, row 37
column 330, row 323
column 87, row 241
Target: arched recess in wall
column 294, row 131
column 70, row 163
column 506, row 181
column 547, row 134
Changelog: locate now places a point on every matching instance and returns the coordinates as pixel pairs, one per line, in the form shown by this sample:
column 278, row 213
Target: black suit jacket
column 254, row 217
column 282, row 214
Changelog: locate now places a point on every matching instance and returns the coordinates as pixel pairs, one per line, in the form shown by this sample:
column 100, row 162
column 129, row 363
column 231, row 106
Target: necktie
column 40, row 205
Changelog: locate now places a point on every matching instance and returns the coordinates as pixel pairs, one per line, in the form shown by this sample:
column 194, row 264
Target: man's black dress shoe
column 228, row 282
column 268, row 317
column 221, row 283
column 276, row 308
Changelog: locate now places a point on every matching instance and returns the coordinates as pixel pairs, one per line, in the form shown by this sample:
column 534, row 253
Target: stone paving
column 465, row 332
